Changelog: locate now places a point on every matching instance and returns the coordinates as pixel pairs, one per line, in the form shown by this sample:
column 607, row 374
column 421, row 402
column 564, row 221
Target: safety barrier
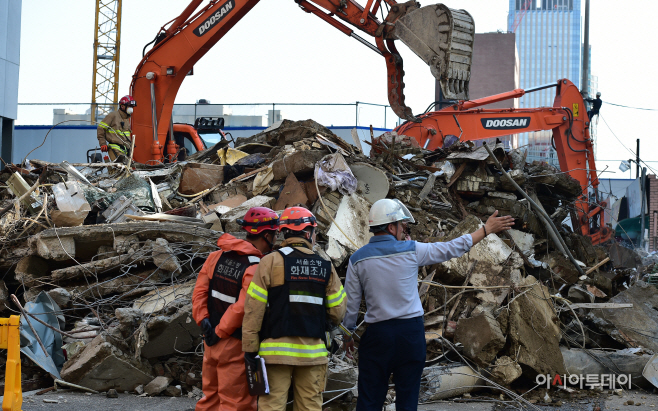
column 10, row 341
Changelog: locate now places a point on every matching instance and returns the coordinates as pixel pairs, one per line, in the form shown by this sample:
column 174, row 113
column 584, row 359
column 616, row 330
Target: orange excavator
column 572, row 142
column 440, row 36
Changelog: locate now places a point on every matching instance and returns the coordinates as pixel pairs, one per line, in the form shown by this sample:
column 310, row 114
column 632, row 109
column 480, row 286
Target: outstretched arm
column 493, row 225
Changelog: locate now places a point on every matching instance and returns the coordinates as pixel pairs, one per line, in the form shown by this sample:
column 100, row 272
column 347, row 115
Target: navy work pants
column 391, row 347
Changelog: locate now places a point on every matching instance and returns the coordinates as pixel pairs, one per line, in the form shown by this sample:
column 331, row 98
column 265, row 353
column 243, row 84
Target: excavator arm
column 442, row 37
column 568, row 120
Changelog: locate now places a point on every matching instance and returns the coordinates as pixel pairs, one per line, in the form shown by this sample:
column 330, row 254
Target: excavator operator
column 113, row 131
column 218, row 308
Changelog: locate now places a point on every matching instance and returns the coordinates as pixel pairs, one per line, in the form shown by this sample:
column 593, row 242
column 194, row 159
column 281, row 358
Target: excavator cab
column 189, row 139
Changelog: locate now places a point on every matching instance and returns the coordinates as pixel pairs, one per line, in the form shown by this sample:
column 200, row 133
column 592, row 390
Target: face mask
column 129, row 110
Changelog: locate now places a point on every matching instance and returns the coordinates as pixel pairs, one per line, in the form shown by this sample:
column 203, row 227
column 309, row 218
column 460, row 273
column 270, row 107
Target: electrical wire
column 620, row 142
column 634, row 108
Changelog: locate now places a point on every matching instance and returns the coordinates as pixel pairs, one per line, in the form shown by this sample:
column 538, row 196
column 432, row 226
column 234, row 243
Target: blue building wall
column 71, row 143
column 10, row 41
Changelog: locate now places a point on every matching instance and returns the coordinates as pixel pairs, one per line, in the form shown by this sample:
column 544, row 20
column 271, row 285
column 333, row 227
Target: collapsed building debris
column 118, row 251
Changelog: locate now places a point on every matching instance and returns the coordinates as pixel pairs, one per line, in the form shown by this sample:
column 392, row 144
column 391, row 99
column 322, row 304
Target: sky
column 278, row 53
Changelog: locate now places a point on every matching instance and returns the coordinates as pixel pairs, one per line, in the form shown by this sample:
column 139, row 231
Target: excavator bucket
column 442, row 38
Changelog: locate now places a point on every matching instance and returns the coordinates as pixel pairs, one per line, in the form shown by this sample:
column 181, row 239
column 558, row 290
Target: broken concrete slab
column 340, row 376
column 159, row 299
column 562, row 268
column 31, row 269
column 164, row 257
column 197, row 177
column 167, row 334
column 84, row 242
column 533, row 331
column 157, row 386
column 95, row 268
column 102, row 366
column 481, row 337
column 61, row 296
column 525, row 241
column 503, row 195
column 229, row 220
column 490, row 254
column 623, row 257
column 301, row 163
column 352, row 217
column 129, row 285
column 505, row 370
column 336, row 252
column 633, row 327
column 58, row 249
column 603, row 362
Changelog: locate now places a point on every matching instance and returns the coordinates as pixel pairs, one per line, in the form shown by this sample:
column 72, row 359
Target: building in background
column 10, row 41
column 549, row 43
column 494, row 70
column 184, row 113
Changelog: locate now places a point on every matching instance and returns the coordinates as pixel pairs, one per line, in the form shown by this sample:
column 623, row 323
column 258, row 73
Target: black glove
column 209, row 335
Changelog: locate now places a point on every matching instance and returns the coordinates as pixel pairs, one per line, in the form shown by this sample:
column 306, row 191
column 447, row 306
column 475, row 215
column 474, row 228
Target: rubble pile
column 116, row 249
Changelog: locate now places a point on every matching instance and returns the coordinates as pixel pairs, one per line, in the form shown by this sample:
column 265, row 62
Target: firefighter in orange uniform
column 218, row 308
column 293, row 294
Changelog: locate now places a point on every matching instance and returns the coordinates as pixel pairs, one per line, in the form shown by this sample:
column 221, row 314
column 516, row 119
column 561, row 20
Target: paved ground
column 71, row 400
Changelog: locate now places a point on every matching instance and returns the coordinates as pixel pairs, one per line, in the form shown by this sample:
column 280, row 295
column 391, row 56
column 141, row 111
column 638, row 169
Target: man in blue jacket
column 385, row 271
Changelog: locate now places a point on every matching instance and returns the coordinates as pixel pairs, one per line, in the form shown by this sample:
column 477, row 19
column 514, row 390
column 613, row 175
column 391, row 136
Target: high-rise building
column 548, row 41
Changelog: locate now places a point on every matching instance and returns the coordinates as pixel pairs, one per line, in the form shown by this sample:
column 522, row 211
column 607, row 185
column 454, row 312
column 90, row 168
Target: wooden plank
column 457, row 174
column 601, row 305
column 597, row 266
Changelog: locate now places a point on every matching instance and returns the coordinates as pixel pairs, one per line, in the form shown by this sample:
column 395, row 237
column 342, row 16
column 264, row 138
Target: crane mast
column 107, row 41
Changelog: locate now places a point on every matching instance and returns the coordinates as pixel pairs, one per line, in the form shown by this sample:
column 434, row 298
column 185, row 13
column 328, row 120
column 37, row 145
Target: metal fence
column 235, row 115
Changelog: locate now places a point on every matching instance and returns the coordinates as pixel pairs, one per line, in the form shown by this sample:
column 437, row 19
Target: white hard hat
column 388, row 211
column 598, row 94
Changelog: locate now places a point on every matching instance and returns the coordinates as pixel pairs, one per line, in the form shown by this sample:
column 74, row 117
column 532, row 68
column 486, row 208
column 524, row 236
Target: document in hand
column 257, row 376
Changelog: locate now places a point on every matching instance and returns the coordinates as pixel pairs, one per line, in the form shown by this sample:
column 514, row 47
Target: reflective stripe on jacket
column 291, row 350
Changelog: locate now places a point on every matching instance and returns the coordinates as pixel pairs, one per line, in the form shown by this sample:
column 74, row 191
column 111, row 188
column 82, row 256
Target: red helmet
column 297, row 219
column 259, row 219
column 128, row 101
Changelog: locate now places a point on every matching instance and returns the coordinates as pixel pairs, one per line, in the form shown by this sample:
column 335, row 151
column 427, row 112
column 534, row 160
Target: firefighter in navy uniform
column 293, row 294
column 218, row 308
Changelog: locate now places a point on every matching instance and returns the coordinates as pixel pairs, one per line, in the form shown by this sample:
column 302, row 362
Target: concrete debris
column 481, row 337
column 631, row 361
column 157, row 386
column 119, row 251
column 632, row 327
column 533, row 330
column 505, row 370
column 102, row 366
column 449, row 381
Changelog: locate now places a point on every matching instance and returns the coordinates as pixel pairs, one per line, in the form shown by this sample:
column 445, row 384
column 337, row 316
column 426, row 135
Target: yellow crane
column 107, row 41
